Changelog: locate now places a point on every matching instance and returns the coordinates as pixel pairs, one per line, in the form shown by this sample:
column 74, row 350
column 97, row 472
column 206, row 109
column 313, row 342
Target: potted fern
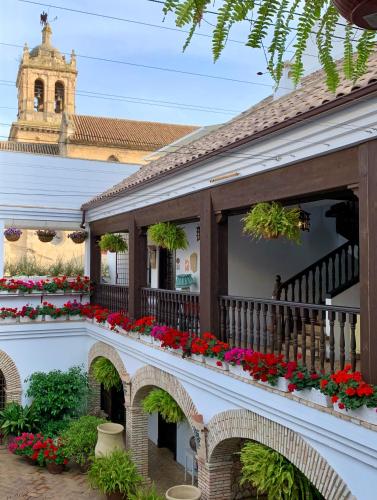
column 160, row 401
column 168, row 235
column 111, row 242
column 105, row 373
column 272, row 220
column 115, row 475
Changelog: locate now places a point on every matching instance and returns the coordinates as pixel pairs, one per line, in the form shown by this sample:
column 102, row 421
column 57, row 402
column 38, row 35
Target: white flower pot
column 4, row 292
column 156, row 342
column 314, row 396
column 146, row 338
column 89, row 320
column 77, row 317
column 281, row 385
column 213, row 362
column 8, row 321
column 239, row 371
column 183, row 492
column 64, row 317
column 26, row 319
column 134, row 335
column 39, row 317
column 363, row 413
column 197, row 357
column 110, row 438
column 36, row 292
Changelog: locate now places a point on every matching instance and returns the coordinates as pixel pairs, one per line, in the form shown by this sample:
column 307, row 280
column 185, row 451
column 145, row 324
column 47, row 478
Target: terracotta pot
column 362, row 13
column 116, row 495
column 54, row 468
column 183, row 492
column 110, row 438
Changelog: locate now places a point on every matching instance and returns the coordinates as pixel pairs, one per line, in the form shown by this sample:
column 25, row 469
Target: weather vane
column 44, row 16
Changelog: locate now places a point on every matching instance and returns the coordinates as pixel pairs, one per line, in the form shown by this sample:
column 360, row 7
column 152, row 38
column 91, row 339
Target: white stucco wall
column 254, row 264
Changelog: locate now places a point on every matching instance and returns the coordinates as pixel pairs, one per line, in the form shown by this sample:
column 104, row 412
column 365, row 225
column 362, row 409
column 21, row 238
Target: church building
column 47, row 122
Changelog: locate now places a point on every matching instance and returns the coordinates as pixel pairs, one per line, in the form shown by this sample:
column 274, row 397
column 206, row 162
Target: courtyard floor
column 22, row 481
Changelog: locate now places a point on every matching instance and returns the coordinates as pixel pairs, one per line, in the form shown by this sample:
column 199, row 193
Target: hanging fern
column 111, row 242
column 160, row 401
column 168, row 235
column 283, row 17
column 273, row 475
column 105, row 373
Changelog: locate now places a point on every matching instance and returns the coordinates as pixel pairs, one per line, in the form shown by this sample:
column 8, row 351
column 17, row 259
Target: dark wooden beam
column 368, row 259
column 213, row 263
column 95, row 259
column 116, row 223
column 138, row 254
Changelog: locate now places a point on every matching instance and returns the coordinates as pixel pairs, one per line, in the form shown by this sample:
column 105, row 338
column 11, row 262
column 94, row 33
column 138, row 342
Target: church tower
column 46, row 84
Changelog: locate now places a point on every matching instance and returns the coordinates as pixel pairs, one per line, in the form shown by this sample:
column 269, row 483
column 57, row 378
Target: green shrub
column 106, row 374
column 59, row 395
column 115, row 472
column 168, row 235
column 146, row 494
column 80, row 438
column 161, row 401
column 111, row 242
column 54, row 428
column 274, row 475
column 272, row 220
column 16, row 419
column 29, row 266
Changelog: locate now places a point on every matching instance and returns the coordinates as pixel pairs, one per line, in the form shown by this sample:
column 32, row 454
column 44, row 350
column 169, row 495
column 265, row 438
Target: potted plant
column 183, row 491
column 105, row 373
column 8, row 315
column 304, row 384
column 16, row 419
column 160, row 401
column 235, row 357
column 168, row 235
column 54, row 455
column 267, row 369
column 272, row 220
column 78, row 237
column 46, row 235
column 27, row 314
column 12, row 234
column 143, row 327
column 111, row 242
column 115, row 475
column 79, row 440
column 146, row 494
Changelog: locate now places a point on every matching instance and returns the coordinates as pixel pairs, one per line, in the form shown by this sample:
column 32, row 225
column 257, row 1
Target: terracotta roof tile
column 257, row 120
column 37, row 148
column 131, row 134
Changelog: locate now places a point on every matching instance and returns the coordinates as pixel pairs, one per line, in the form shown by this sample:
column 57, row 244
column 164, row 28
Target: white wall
column 184, row 433
column 254, row 264
column 153, row 427
column 184, row 255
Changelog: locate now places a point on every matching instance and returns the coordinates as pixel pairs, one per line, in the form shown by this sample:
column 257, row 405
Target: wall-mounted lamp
column 304, row 220
column 197, row 233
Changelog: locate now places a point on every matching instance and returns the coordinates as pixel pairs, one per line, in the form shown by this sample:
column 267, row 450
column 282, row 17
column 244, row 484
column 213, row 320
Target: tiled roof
column 261, row 119
column 37, row 148
column 131, row 134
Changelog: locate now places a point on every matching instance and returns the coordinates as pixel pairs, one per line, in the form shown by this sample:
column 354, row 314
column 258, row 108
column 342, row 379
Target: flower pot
column 12, row 237
column 134, row 335
column 54, row 468
column 281, row 384
column 357, row 12
column 363, row 413
column 76, row 317
column 4, row 292
column 39, row 317
column 78, row 238
column 110, row 438
column 8, row 321
column 213, row 362
column 314, row 396
column 197, row 357
column 116, row 495
column 45, row 238
column 146, row 338
column 239, row 371
column 26, row 319
column 183, row 492
column 157, row 342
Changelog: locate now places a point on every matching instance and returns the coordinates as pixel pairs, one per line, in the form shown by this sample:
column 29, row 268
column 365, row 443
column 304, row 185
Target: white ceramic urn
column 110, row 438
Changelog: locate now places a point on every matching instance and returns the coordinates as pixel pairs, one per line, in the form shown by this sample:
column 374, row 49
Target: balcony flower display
column 234, row 358
column 72, row 310
column 300, row 377
column 12, row 234
column 8, row 315
column 143, row 325
column 265, row 367
column 118, row 319
column 28, row 313
column 78, row 237
column 80, row 284
column 26, row 286
column 158, row 332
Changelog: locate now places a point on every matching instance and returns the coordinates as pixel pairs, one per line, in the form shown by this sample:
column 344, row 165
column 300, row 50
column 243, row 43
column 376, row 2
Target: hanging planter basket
column 78, row 237
column 361, row 13
column 46, row 235
column 111, row 242
column 12, row 234
column 168, row 235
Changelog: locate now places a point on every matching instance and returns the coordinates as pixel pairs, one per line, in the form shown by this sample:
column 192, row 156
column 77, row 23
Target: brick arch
column 149, row 377
column 13, row 387
column 100, row 349
column 227, row 431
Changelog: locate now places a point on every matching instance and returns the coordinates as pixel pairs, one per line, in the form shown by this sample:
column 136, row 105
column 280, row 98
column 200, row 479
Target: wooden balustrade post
column 213, row 264
column 368, row 258
column 138, row 254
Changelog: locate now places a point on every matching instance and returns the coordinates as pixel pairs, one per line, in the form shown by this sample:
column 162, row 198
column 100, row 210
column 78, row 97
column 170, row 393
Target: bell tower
column 46, row 84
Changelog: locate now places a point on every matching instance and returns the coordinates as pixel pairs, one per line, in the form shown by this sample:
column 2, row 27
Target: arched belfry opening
column 39, row 95
column 59, row 97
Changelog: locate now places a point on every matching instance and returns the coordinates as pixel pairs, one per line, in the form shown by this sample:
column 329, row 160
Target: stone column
column 2, row 247
column 215, row 480
column 137, row 437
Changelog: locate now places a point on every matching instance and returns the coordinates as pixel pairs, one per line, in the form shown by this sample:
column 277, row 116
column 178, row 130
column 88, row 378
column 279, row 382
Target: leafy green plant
column 114, row 473
column 272, row 220
column 58, row 395
column 168, row 235
column 146, row 494
column 161, row 401
column 106, row 374
column 30, row 266
column 15, row 419
column 274, row 475
column 272, row 24
column 54, row 428
column 111, row 242
column 80, row 439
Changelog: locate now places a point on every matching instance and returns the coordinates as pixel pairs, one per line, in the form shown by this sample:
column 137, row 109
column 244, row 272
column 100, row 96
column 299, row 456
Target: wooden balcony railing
column 114, row 297
column 176, row 309
column 326, row 337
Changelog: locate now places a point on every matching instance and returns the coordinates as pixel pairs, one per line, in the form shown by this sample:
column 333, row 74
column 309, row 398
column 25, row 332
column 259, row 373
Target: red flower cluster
column 143, row 325
column 8, row 312
column 80, row 284
column 209, row 345
column 118, row 319
column 39, row 449
column 299, row 376
column 265, row 367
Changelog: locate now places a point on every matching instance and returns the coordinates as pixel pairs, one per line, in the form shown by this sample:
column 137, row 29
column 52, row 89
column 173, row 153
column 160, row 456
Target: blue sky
column 105, row 38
